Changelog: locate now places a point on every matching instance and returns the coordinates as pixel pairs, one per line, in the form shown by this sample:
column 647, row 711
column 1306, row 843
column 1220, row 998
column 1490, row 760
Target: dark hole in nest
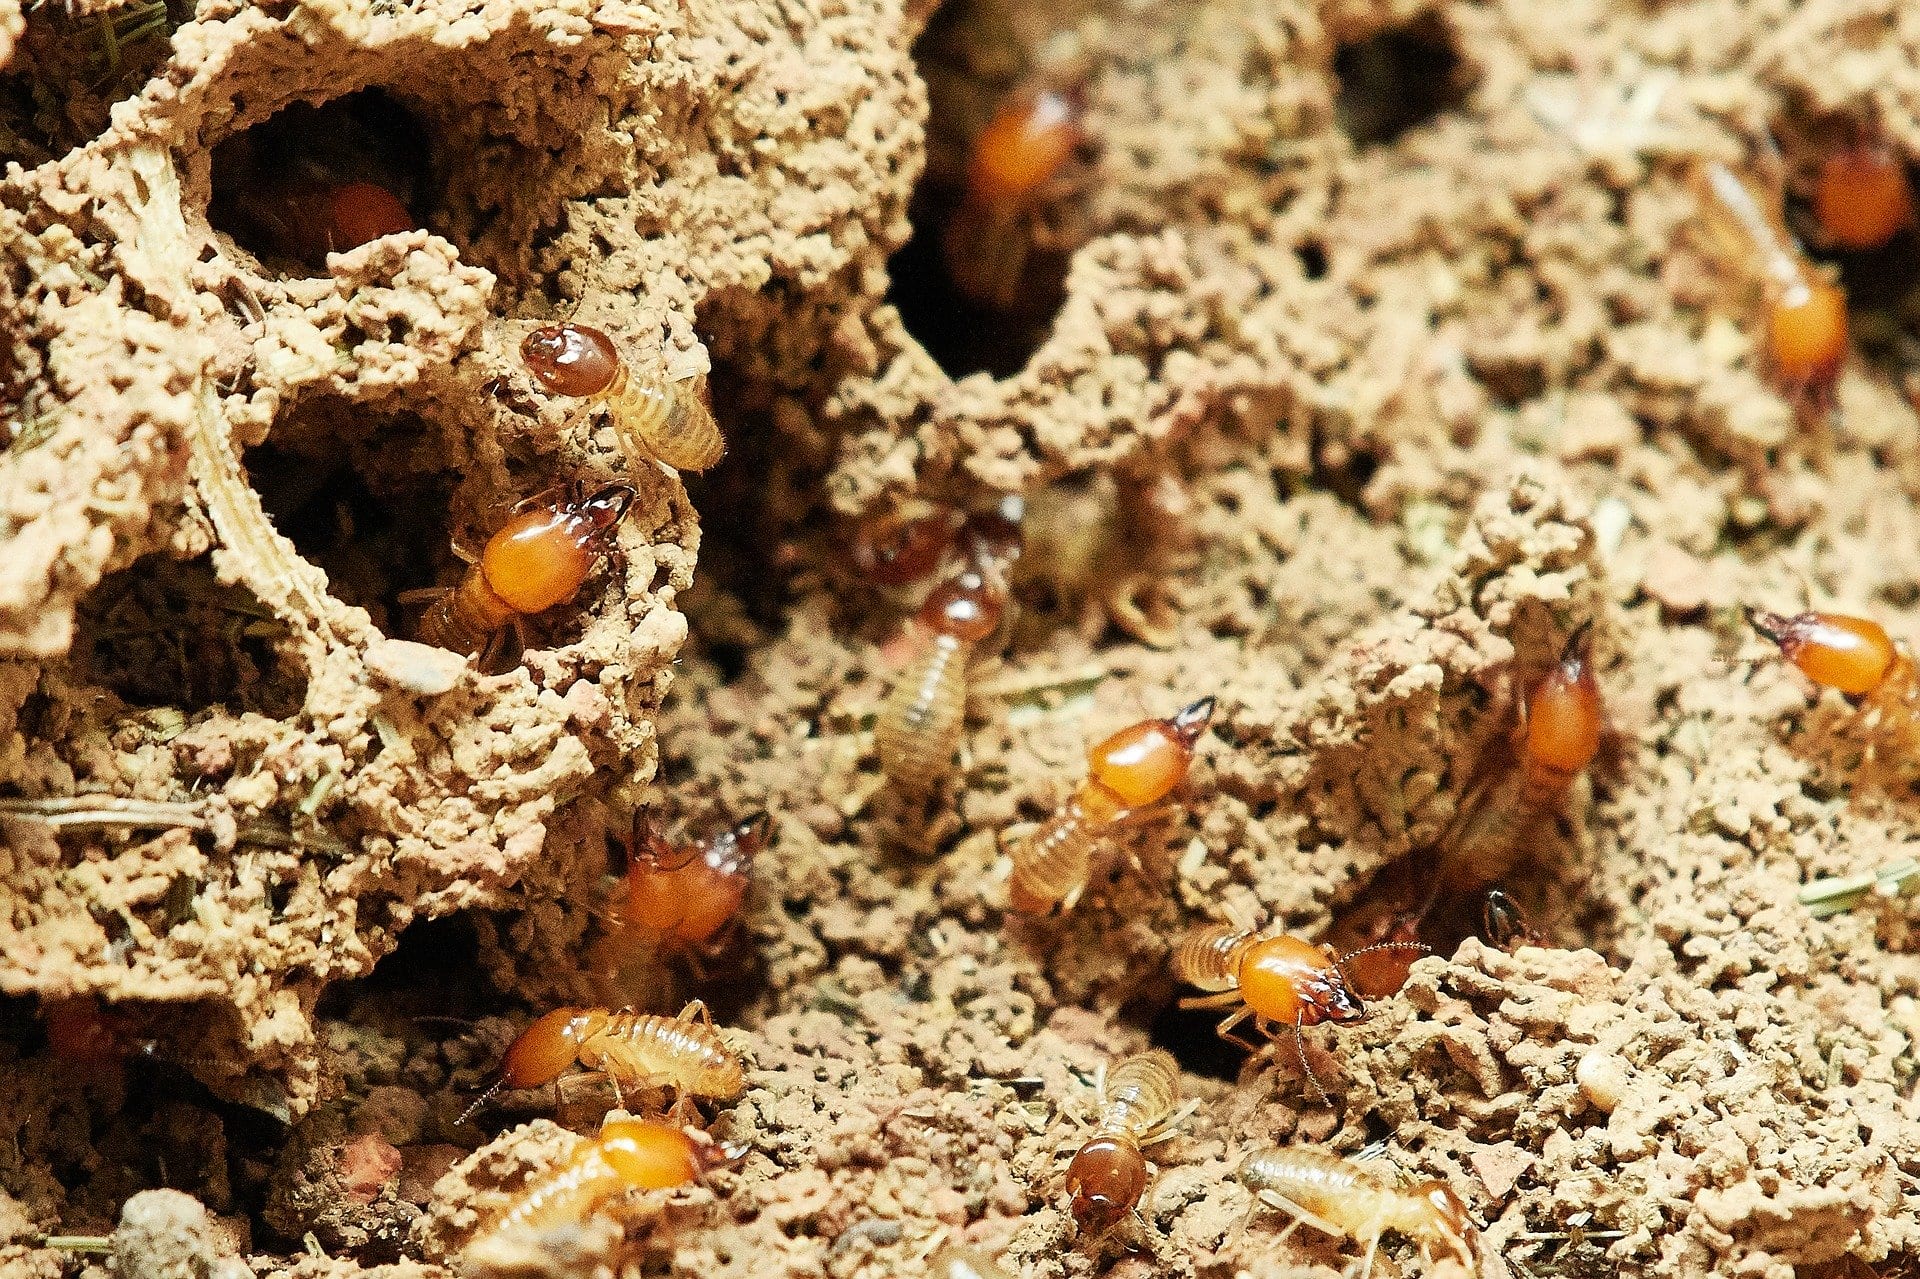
column 1394, row 81
column 366, row 512
column 1188, row 1033
column 1003, row 255
column 166, row 633
column 317, row 178
column 433, row 970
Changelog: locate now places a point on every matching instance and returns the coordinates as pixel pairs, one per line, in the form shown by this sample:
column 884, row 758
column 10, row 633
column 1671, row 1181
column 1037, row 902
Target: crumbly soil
column 1385, row 349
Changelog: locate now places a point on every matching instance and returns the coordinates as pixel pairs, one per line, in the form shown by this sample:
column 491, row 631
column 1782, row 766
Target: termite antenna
column 480, row 1101
column 1340, row 963
column 1300, row 1049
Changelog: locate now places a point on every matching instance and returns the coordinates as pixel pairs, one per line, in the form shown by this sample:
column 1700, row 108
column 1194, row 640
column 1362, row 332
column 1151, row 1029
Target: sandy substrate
column 1386, row 354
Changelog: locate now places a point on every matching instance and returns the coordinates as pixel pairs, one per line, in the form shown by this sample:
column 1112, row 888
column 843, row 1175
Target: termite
column 920, row 723
column 1018, row 164
column 629, row 1154
column 1134, row 768
column 308, row 222
column 1861, row 198
column 540, row 559
column 1558, row 736
column 655, row 416
column 681, row 898
column 894, row 549
column 633, row 1050
column 1856, row 656
column 1280, row 981
column 1349, row 1200
column 1806, row 313
column 1139, row 1105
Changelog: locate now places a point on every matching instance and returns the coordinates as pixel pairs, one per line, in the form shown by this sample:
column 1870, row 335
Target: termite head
column 1026, row 145
column 1141, row 764
column 361, row 212
column 571, row 359
column 892, row 550
column 1450, row 1221
column 549, row 1046
column 966, row 607
column 1105, row 1180
column 1852, row 654
column 1564, row 718
column 1861, row 198
column 540, row 558
column 1290, row 980
column 1807, row 333
column 649, row 1155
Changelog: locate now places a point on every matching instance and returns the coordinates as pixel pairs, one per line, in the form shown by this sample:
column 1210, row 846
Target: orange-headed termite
column 1346, row 1199
column 1861, row 198
column 919, row 725
column 1134, row 768
column 1856, row 656
column 1279, row 981
column 634, row 1050
column 539, row 560
column 681, row 898
column 654, row 416
column 1806, row 312
column 1139, row 1104
column 307, row 222
column 629, row 1154
column 1557, row 738
column 1015, row 168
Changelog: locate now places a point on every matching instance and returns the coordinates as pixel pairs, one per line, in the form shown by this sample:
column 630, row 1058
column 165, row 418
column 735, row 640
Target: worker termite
column 629, row 1154
column 1856, row 656
column 540, row 559
column 681, row 898
column 919, row 725
column 1346, row 1199
column 1134, row 768
column 1861, row 198
column 1806, row 313
column 1280, row 981
column 1019, row 164
column 1557, row 737
column 633, row 1050
column 654, row 416
column 1139, row 1105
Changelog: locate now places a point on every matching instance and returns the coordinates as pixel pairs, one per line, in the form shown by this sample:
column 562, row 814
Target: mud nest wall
column 1384, row 357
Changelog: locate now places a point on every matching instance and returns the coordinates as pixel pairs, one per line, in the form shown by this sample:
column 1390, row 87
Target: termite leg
column 1225, row 1028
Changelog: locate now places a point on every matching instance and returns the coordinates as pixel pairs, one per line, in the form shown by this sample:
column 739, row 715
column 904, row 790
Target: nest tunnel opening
column 310, row 180
column 981, row 279
column 1396, row 80
column 368, row 506
column 167, row 633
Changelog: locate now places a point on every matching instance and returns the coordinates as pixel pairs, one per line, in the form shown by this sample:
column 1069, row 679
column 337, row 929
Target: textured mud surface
column 1384, row 345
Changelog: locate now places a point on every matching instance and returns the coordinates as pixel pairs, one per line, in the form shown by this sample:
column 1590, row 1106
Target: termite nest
column 549, row 725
